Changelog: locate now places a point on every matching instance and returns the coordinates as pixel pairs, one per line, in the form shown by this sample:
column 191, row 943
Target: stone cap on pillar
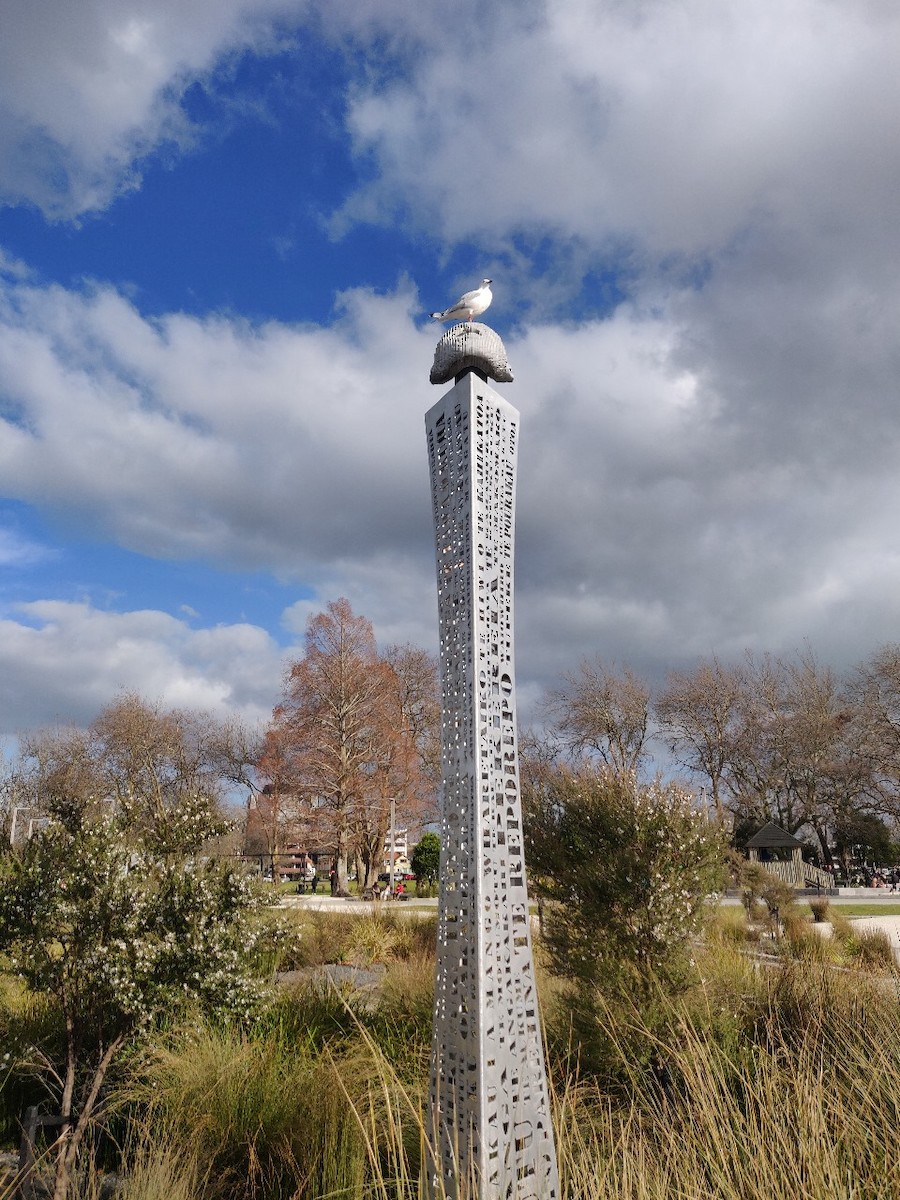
column 470, row 347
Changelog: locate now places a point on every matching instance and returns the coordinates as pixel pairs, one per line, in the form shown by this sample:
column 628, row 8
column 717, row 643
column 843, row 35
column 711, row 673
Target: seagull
column 469, row 306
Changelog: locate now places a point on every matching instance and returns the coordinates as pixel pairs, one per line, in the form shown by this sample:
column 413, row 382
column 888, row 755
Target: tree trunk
column 717, row 802
column 821, row 833
column 63, row 1166
column 371, row 860
column 71, row 1139
column 341, row 873
column 362, row 870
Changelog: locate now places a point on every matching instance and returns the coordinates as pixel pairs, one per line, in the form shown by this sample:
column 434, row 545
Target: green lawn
column 864, row 909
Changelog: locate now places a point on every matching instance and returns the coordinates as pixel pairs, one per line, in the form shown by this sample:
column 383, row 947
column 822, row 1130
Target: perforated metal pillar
column 490, row 1107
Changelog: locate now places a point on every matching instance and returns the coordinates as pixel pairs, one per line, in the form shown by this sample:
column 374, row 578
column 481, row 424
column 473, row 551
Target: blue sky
column 222, row 227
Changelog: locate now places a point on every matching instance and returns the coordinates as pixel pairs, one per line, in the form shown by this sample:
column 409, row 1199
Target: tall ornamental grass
column 768, row 1080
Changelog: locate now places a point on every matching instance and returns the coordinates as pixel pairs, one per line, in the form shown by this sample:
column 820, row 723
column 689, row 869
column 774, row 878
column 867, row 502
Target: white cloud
column 18, row 551
column 88, row 89
column 677, row 126
column 673, row 127
column 707, row 473
column 712, row 467
column 64, row 662
column 12, row 267
column 186, row 437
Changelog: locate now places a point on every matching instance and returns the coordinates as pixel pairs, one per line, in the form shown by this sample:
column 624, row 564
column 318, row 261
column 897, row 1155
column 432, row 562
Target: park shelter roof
column 772, row 837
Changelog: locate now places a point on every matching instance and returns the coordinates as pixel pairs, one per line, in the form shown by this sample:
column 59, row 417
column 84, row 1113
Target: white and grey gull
column 469, row 306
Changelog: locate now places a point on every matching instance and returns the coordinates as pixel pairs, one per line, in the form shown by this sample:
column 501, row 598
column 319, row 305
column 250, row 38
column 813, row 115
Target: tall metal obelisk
column 489, row 1098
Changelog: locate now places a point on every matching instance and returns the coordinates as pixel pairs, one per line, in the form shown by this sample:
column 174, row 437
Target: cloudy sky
column 223, row 225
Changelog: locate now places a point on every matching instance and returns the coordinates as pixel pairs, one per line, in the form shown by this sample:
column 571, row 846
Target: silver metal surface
column 490, row 1107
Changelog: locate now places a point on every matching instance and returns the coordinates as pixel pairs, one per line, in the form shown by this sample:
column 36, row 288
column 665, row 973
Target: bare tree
column 150, row 757
column 875, row 690
column 784, row 739
column 144, row 758
column 795, row 759
column 829, row 769
column 233, row 749
column 604, row 712
column 54, row 764
column 698, row 715
column 778, row 739
column 419, row 700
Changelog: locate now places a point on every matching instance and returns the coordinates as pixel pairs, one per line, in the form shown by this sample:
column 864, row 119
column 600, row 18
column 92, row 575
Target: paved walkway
column 352, row 904
column 415, row 907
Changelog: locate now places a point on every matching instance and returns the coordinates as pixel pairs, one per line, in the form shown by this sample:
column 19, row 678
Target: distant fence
column 799, row 874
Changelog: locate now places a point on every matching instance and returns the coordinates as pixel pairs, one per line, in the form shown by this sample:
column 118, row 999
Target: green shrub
column 626, row 870
column 282, row 943
column 426, row 858
column 760, row 886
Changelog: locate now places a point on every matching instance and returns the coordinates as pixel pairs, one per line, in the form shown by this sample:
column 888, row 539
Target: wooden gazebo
column 782, row 854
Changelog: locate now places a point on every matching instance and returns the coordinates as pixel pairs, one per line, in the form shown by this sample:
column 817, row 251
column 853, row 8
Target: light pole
column 391, row 846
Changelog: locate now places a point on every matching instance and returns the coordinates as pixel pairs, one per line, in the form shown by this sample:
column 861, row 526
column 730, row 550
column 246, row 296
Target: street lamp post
column 393, row 842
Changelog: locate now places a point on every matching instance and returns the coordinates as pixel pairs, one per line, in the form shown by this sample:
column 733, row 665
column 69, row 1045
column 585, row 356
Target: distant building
column 401, row 850
column 282, row 846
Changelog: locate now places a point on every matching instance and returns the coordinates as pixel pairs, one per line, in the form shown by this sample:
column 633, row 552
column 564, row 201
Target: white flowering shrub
column 627, row 869
column 117, row 929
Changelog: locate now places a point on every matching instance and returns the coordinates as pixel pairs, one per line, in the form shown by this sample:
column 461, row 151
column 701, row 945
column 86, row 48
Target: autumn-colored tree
column 409, row 769
column 344, row 747
column 276, row 816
